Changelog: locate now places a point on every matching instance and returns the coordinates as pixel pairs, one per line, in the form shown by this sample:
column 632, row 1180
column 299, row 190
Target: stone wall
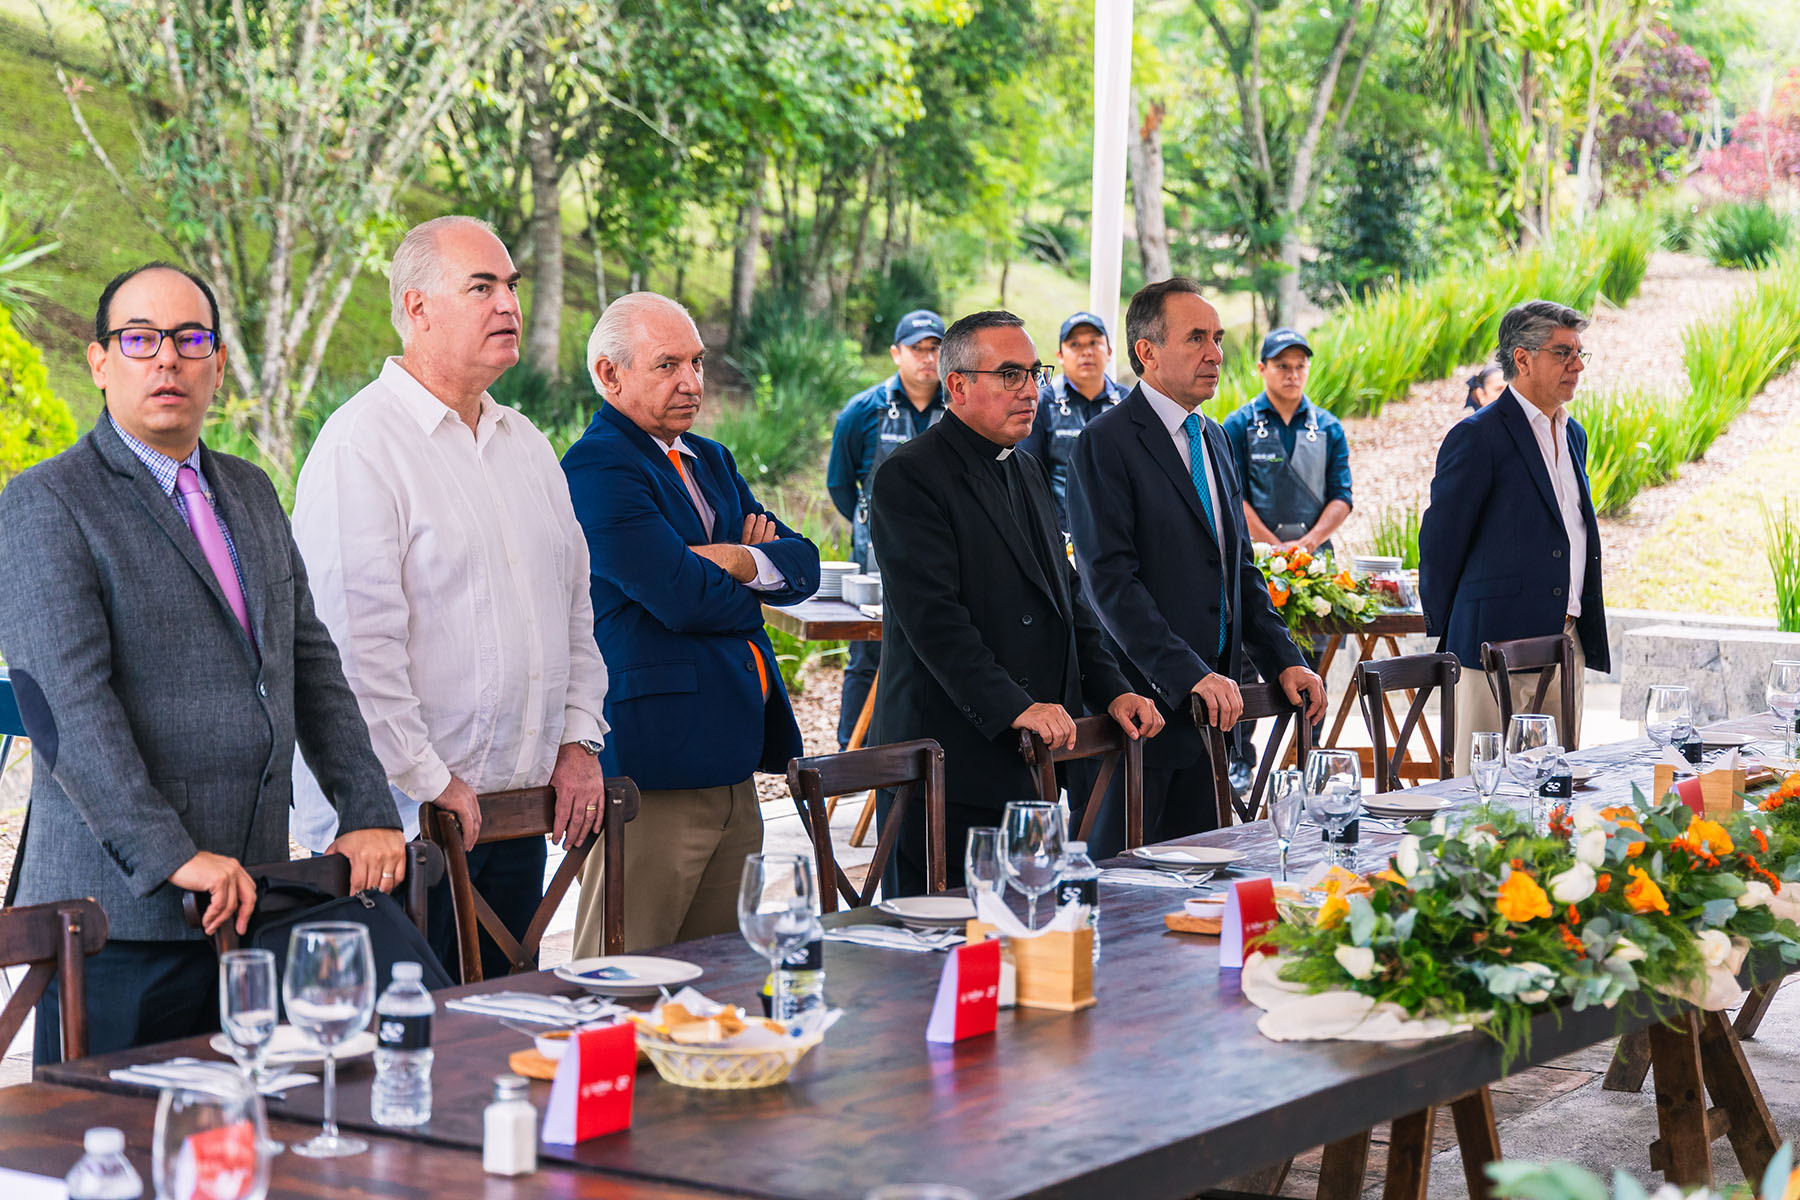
column 1725, row 668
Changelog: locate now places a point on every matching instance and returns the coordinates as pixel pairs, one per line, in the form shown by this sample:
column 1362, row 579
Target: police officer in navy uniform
column 1295, row 464
column 873, row 424
column 1067, row 403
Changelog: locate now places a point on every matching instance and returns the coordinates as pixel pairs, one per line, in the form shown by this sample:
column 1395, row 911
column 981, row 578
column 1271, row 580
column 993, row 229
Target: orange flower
column 1521, row 899
column 1560, row 824
column 1707, row 837
column 1574, row 916
column 1278, row 592
column 1344, row 580
column 1603, row 883
column 1389, row 875
column 1637, row 847
column 1298, row 560
column 1332, row 912
column 1573, row 942
column 1762, row 842
column 1643, row 895
column 1619, row 812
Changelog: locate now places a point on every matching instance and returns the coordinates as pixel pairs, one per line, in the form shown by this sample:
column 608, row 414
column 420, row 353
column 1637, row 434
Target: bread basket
column 723, row 1068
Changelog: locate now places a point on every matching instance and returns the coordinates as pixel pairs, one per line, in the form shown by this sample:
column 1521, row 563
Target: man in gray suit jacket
column 155, row 618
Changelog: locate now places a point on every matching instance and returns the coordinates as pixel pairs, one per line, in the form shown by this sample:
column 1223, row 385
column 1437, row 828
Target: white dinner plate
column 930, row 912
column 628, row 974
column 1185, row 857
column 1393, row 805
column 292, row 1048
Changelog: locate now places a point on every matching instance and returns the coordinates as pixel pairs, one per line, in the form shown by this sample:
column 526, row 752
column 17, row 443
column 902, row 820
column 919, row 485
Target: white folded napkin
column 887, row 937
column 1133, row 877
column 1294, row 1015
column 536, row 1007
column 992, row 910
column 201, row 1075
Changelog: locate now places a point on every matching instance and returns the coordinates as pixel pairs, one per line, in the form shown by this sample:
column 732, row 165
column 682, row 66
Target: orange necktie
column 762, row 668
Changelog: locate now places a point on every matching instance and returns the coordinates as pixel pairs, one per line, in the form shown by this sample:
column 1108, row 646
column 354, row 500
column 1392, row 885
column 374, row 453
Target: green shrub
column 548, row 403
column 802, row 370
column 1396, row 535
column 1733, row 356
column 1626, row 252
column 1744, row 235
column 34, row 422
column 907, row 284
column 1678, row 226
column 1781, row 542
column 1635, row 441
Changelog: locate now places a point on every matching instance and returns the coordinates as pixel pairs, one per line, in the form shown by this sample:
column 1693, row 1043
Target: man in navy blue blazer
column 683, row 557
column 1509, row 548
column 1158, row 516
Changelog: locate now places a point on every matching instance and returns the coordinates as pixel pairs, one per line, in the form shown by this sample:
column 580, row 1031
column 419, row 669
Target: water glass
column 248, row 1014
column 778, row 912
column 1783, row 695
column 1333, row 790
column 983, row 869
column 1287, row 800
column 329, row 993
column 1531, row 749
column 1487, row 755
column 1035, row 850
column 1668, row 714
column 207, row 1145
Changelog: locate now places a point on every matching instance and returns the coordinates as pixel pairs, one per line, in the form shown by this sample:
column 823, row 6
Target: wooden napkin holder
column 1055, row 969
column 1719, row 790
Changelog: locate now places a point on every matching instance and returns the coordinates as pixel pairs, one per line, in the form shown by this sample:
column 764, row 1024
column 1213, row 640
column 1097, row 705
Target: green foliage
column 802, row 369
column 1744, row 234
column 1626, row 249
column 1396, row 535
column 908, row 283
column 1375, row 231
column 1678, row 225
column 550, row 404
column 34, row 424
column 23, row 242
column 1635, row 441
column 1730, row 358
column 1781, row 542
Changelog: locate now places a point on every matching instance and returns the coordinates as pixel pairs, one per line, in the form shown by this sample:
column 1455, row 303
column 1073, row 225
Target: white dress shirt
column 453, row 576
column 769, row 577
column 1553, row 443
column 1173, row 415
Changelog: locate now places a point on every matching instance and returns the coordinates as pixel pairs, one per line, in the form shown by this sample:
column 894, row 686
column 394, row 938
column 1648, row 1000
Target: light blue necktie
column 1197, row 469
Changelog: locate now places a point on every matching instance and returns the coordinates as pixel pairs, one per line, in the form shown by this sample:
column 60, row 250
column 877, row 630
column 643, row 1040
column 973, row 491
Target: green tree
column 34, row 423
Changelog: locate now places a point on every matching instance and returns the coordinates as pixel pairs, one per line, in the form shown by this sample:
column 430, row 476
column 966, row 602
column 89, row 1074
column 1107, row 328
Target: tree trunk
column 1147, row 194
column 749, row 237
column 543, row 343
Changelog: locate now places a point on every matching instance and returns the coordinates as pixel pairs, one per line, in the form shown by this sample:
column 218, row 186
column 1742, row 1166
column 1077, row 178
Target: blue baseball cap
column 1077, row 321
column 918, row 325
column 1280, row 339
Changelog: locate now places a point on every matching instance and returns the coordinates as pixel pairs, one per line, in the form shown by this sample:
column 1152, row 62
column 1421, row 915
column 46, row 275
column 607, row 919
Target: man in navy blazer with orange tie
column 1158, row 517
column 683, row 557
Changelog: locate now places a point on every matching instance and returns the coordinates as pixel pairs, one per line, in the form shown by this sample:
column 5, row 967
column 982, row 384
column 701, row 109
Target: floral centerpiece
column 1307, row 588
column 1566, row 1181
column 1491, row 921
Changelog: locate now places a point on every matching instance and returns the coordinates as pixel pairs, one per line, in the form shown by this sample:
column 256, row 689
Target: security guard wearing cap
column 1067, row 403
column 873, row 424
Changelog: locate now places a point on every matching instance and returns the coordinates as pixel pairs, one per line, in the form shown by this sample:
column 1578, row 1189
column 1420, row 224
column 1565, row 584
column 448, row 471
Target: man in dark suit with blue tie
column 682, row 556
column 1165, row 560
column 1509, row 547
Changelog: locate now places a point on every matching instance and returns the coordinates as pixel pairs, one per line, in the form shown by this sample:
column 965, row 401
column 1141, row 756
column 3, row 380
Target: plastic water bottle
column 103, row 1172
column 402, row 1093
column 1080, row 884
column 805, row 971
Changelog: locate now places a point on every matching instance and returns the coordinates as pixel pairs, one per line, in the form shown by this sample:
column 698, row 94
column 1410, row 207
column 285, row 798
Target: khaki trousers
column 1477, row 710
column 684, row 858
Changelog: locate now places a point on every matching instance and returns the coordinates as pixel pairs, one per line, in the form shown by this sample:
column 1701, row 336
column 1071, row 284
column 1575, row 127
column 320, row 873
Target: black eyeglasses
column 1013, row 378
column 1565, row 353
column 140, row 341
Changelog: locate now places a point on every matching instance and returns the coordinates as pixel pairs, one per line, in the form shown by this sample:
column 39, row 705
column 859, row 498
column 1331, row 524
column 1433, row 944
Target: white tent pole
column 1112, row 123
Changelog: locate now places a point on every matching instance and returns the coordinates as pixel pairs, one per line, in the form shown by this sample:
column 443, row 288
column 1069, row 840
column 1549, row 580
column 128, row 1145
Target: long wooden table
column 1164, row 1089
column 1370, row 638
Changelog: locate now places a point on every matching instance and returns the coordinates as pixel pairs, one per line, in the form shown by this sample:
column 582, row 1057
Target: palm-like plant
column 24, row 242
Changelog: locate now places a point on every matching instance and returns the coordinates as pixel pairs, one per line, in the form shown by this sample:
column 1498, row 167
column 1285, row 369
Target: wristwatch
column 591, row 746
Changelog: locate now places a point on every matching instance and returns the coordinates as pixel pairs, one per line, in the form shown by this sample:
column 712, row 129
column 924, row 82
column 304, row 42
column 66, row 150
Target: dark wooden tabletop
column 1161, row 1090
column 41, row 1126
column 1393, row 624
column 824, row 621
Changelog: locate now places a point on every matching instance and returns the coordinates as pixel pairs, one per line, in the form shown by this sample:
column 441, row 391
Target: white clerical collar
column 1005, row 453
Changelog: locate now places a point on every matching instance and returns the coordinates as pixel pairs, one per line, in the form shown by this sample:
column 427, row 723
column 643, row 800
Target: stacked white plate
column 1403, row 807
column 831, row 579
column 1184, row 858
column 1374, row 564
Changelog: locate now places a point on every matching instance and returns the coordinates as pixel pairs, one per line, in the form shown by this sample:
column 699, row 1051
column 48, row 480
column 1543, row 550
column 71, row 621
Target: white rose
column 1591, row 849
column 1534, row 996
column 1786, row 902
column 1278, row 564
column 1587, row 817
column 1480, row 839
column 1575, row 884
column 1354, row 603
column 1440, row 824
column 1545, row 976
column 1316, row 567
column 1407, row 856
column 1321, row 606
column 1757, row 894
column 1262, row 549
column 1715, row 947
column 1359, row 961
column 1626, row 951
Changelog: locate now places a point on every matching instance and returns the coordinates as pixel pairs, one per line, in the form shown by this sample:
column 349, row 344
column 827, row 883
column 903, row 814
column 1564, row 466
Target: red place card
column 968, row 995
column 1690, row 792
column 591, row 1095
column 1249, row 914
column 217, row 1164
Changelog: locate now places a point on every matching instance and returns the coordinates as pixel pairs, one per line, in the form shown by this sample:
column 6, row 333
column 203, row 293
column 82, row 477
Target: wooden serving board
column 1181, row 922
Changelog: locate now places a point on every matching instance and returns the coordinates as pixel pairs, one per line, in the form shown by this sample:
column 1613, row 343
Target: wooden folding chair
column 906, row 767
column 54, row 940
column 1261, row 702
column 330, row 873
column 527, row 813
column 1419, row 674
column 1095, row 737
column 1502, row 660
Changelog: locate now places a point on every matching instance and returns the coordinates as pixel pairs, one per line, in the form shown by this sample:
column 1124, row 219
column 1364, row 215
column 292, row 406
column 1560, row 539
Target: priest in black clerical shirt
column 985, row 631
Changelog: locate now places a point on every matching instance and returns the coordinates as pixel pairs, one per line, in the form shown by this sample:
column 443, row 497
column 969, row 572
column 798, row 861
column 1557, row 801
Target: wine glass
column 1486, row 757
column 1035, row 854
column 1333, row 789
column 1668, row 714
column 983, row 870
column 1783, row 695
column 1287, row 799
column 1531, row 749
column 209, row 1143
column 778, row 912
column 247, row 1014
column 329, row 992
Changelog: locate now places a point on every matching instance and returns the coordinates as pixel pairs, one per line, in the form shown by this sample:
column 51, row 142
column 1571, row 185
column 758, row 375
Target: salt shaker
column 509, row 1129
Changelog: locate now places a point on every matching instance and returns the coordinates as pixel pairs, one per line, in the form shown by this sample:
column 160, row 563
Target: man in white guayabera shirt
column 447, row 563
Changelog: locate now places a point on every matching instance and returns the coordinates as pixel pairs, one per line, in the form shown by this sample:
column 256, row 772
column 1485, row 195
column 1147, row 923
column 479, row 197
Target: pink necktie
column 205, row 524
